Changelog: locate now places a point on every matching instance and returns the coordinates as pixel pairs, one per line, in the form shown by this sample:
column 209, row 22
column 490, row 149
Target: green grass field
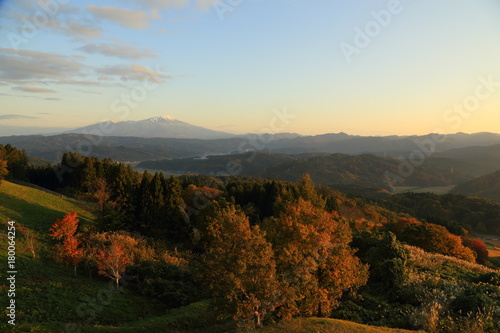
column 37, row 209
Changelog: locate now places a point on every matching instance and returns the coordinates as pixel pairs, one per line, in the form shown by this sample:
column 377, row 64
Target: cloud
column 116, row 50
column 128, row 18
column 158, row 4
column 132, row 73
column 15, row 116
column 75, row 28
column 21, row 65
column 34, row 89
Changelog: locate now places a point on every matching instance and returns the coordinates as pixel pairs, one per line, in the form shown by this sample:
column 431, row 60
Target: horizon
column 60, row 131
column 368, row 69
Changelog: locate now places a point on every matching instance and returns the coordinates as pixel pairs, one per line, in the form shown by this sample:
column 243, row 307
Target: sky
column 365, row 67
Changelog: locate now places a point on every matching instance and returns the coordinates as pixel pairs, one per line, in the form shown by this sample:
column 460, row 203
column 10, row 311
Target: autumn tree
column 69, row 251
column 112, row 261
column 435, row 238
column 478, row 247
column 314, row 262
column 3, row 170
column 239, row 269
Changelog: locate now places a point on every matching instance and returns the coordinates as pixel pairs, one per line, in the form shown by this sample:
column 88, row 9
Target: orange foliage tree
column 112, row 257
column 435, row 238
column 69, row 251
column 315, row 264
column 239, row 269
column 3, row 169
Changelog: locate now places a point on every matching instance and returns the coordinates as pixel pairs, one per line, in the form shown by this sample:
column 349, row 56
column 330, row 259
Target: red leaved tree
column 69, row 251
column 478, row 247
column 112, row 259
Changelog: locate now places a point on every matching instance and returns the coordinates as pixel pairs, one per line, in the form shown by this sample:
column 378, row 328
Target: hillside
column 49, row 295
column 325, row 169
column 37, row 209
column 323, row 325
column 487, row 187
column 477, row 160
column 474, row 150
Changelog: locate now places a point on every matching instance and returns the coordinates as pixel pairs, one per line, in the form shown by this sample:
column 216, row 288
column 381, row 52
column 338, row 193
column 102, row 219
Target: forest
column 263, row 250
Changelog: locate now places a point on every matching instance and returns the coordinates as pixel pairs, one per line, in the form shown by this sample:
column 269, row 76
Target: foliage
column 112, row 259
column 16, row 162
column 315, row 265
column 239, row 269
column 173, row 285
column 3, row 169
column 69, row 251
column 435, row 238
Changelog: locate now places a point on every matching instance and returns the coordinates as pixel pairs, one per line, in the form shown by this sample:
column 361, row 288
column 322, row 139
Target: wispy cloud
column 128, row 18
column 117, row 50
column 22, row 65
column 34, row 89
column 15, row 116
column 132, row 73
column 158, row 4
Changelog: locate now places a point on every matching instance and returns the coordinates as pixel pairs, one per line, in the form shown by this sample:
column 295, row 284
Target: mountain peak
column 161, row 118
column 161, row 126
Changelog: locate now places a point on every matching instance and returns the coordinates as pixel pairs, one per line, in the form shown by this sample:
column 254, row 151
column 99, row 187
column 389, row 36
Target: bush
column 490, row 278
column 172, row 285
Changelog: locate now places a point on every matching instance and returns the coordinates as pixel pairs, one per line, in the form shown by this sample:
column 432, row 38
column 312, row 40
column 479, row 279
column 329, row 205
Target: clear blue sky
column 226, row 65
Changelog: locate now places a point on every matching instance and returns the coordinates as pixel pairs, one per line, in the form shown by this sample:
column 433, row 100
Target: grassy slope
column 36, row 209
column 48, row 294
column 316, row 325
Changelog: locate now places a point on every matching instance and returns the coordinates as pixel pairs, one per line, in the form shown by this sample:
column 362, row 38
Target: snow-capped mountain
column 161, row 127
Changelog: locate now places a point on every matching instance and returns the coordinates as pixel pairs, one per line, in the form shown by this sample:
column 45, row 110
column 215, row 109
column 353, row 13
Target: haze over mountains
column 174, row 146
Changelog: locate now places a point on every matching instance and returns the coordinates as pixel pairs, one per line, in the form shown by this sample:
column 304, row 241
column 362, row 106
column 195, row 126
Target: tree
column 17, row 161
column 314, row 262
column 478, row 247
column 3, row 170
column 435, row 238
column 308, row 192
column 65, row 227
column 31, row 239
column 69, row 251
column 112, row 260
column 239, row 269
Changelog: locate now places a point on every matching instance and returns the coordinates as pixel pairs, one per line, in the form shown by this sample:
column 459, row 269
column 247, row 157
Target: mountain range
column 334, row 159
column 156, row 127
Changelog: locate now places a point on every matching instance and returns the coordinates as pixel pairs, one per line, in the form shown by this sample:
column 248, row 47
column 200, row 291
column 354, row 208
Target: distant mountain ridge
column 487, row 187
column 156, row 127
